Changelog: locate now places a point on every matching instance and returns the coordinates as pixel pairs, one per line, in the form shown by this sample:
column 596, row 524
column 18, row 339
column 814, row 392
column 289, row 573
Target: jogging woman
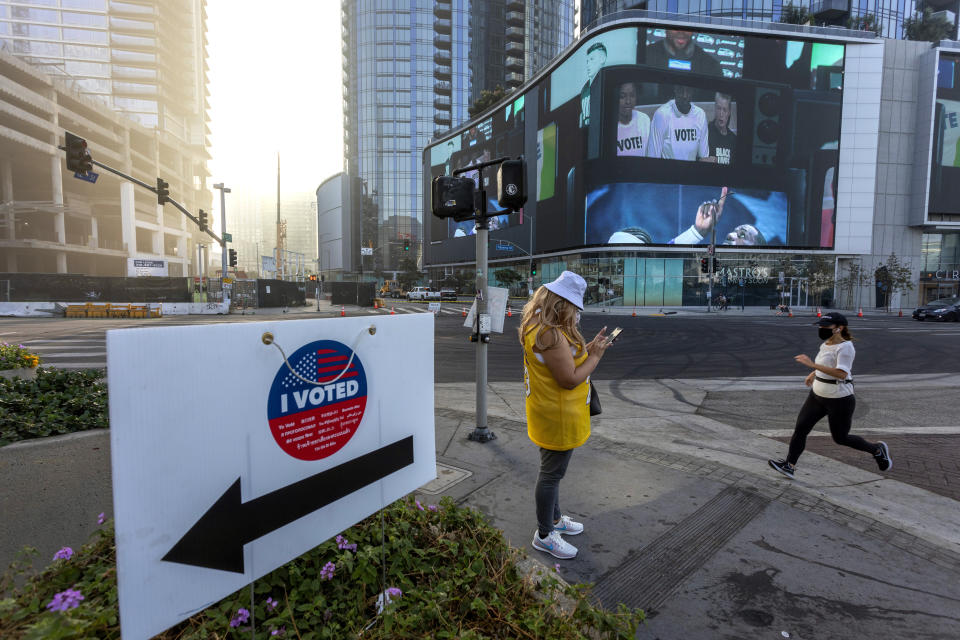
column 556, row 370
column 831, row 395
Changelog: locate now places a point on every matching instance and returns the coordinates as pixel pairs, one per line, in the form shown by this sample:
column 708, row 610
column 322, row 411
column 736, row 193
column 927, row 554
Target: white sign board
column 433, row 307
column 366, row 251
column 137, row 267
column 268, row 263
column 496, row 307
column 227, row 466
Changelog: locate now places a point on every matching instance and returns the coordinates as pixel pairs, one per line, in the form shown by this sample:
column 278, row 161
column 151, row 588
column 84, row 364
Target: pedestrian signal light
column 233, row 257
column 204, row 220
column 163, row 191
column 78, row 156
column 452, row 197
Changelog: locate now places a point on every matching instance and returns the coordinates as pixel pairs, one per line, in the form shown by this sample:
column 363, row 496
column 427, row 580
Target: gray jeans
column 553, row 466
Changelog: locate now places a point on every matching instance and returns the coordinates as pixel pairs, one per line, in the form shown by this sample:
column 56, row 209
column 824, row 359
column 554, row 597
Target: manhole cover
column 447, row 476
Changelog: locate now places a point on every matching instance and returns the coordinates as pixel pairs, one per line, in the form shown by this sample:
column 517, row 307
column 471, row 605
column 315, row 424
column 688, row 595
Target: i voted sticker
column 312, row 421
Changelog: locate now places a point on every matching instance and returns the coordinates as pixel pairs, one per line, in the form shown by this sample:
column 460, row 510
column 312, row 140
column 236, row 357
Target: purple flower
column 432, row 507
column 419, row 506
column 556, row 567
column 327, row 571
column 100, row 519
column 64, row 554
column 327, row 614
column 342, row 543
column 279, row 632
column 394, row 592
column 242, row 616
column 64, row 600
column 271, row 604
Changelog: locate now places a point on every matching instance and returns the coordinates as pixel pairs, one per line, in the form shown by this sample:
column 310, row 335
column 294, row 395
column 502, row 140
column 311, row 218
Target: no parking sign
column 230, row 459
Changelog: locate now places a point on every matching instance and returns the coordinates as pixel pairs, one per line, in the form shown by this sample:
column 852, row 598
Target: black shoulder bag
column 595, row 408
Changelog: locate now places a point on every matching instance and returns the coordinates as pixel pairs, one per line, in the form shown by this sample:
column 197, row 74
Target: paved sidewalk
column 685, row 519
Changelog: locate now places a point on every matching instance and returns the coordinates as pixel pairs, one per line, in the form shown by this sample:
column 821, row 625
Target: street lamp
column 223, row 234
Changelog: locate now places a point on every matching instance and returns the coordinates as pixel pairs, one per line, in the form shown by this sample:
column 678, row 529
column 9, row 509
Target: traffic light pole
column 152, row 189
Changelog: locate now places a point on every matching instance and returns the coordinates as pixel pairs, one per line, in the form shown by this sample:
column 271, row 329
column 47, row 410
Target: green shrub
column 57, row 401
column 456, row 576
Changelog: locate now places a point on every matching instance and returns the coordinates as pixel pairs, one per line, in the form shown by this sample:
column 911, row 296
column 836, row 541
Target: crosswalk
column 72, row 352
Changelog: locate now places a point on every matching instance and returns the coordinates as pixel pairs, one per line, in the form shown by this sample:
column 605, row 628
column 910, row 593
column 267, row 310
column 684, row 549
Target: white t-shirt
column 632, row 138
column 678, row 136
column 837, row 356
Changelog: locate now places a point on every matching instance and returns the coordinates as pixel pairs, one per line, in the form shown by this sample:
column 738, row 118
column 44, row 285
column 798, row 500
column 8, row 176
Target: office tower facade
column 130, row 77
column 510, row 40
column 405, row 79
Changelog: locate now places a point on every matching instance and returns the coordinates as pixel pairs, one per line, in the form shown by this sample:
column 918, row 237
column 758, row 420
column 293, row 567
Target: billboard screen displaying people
column 945, row 163
column 655, row 136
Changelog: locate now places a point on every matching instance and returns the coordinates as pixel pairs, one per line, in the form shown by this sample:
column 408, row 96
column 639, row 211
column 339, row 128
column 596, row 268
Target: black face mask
column 825, row 333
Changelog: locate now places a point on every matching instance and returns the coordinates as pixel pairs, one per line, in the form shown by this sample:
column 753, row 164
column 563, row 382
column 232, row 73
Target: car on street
column 944, row 309
column 447, row 293
column 423, row 293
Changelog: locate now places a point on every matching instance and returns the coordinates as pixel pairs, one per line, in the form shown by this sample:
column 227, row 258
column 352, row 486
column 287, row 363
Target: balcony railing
column 441, row 41
column 442, row 71
column 514, row 79
column 442, row 25
column 441, row 103
column 514, row 48
column 515, row 33
column 515, row 18
column 443, row 88
column 441, row 57
column 514, row 64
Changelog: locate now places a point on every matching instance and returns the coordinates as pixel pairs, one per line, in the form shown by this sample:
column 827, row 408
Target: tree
column 409, row 274
column 820, row 277
column 507, row 277
column 926, row 26
column 851, row 284
column 790, row 14
column 865, row 22
column 486, row 100
column 894, row 276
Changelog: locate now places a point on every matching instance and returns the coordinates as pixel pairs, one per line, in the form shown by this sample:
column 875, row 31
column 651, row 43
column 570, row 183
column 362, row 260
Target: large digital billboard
column 654, row 136
column 945, row 163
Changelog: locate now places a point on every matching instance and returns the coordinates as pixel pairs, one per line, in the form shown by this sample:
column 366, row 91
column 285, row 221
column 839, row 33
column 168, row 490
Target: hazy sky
column 275, row 86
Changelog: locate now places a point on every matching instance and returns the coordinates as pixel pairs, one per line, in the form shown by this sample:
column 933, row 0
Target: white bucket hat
column 570, row 287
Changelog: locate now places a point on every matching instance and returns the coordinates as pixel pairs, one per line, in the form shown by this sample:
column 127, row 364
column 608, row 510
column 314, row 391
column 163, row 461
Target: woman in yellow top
column 556, row 369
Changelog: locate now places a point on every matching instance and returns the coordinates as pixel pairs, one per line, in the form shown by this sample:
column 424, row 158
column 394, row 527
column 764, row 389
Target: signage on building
column 503, row 246
column 942, row 274
column 210, row 495
column 137, row 267
column 268, row 263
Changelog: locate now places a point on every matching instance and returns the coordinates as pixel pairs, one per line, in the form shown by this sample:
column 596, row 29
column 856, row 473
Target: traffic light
column 533, row 269
column 704, row 265
column 78, row 156
column 406, row 245
column 204, row 220
column 232, row 261
column 163, row 191
column 313, row 277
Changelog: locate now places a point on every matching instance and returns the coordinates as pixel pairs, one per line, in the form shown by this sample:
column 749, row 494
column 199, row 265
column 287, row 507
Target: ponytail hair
column 845, row 333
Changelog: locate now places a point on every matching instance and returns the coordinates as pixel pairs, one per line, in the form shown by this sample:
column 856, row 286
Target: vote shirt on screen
column 632, row 137
column 678, row 136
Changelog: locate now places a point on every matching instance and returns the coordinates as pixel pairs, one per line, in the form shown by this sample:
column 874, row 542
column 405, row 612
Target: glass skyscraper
column 411, row 68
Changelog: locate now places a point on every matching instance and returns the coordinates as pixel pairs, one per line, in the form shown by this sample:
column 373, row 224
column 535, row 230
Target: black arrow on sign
column 216, row 540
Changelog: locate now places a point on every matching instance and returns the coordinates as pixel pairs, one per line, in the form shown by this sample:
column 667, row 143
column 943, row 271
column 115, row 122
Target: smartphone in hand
column 614, row 335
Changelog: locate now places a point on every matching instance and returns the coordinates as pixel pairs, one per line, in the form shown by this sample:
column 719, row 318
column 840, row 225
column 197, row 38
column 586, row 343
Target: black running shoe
column 882, row 456
column 782, row 466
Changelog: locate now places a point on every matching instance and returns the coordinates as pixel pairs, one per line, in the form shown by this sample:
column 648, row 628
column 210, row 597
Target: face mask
column 825, row 333
column 578, row 318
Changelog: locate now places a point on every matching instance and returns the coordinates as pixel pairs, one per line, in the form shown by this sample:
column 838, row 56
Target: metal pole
column 481, row 433
column 223, row 243
column 713, row 249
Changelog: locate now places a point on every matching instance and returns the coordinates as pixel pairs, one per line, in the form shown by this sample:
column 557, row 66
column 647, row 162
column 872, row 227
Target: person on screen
column 679, row 129
column 708, row 215
column 723, row 139
column 745, row 235
column 596, row 58
column 679, row 51
column 633, row 126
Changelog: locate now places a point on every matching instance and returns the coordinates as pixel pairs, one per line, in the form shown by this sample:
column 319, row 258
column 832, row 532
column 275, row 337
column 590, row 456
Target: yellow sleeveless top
column 557, row 418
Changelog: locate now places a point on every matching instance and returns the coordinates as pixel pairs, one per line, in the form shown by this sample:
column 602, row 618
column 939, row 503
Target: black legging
column 839, row 412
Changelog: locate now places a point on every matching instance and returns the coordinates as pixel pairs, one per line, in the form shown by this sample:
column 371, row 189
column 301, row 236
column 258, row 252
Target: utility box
column 360, row 294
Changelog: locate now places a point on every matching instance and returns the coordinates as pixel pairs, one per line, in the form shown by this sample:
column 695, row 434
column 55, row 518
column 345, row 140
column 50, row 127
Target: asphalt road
column 673, row 346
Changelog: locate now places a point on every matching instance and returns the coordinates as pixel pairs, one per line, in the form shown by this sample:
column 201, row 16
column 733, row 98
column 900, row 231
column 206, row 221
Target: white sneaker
column 568, row 527
column 554, row 545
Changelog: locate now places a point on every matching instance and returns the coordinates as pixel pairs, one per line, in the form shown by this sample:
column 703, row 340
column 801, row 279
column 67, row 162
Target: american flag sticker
column 313, row 414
